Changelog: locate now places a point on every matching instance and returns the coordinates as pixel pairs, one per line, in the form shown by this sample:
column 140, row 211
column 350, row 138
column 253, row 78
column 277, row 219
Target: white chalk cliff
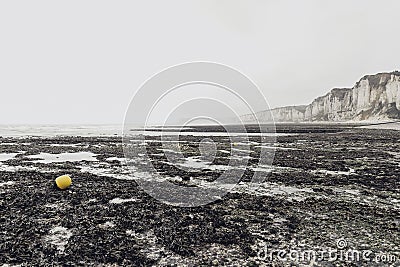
column 374, row 97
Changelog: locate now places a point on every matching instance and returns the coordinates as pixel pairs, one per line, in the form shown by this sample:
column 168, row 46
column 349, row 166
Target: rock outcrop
column 374, row 97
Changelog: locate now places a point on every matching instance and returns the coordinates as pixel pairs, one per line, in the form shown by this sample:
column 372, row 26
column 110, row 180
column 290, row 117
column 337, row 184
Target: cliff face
column 374, row 97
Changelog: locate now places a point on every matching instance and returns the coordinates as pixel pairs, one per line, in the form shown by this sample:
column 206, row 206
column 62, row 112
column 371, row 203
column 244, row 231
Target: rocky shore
column 325, row 186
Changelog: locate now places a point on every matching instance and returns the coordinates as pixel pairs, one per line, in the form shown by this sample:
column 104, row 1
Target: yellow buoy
column 63, row 182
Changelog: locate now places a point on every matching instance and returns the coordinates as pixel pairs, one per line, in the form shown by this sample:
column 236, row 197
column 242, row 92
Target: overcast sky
column 82, row 61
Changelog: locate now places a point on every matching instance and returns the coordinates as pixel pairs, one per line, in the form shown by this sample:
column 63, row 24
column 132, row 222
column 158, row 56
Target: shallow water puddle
column 7, row 183
column 265, row 189
column 122, row 160
column 176, row 133
column 4, row 167
column 120, row 173
column 351, row 171
column 196, row 163
column 63, row 157
column 276, row 147
column 122, row 200
column 7, row 156
column 66, row 145
column 9, row 144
